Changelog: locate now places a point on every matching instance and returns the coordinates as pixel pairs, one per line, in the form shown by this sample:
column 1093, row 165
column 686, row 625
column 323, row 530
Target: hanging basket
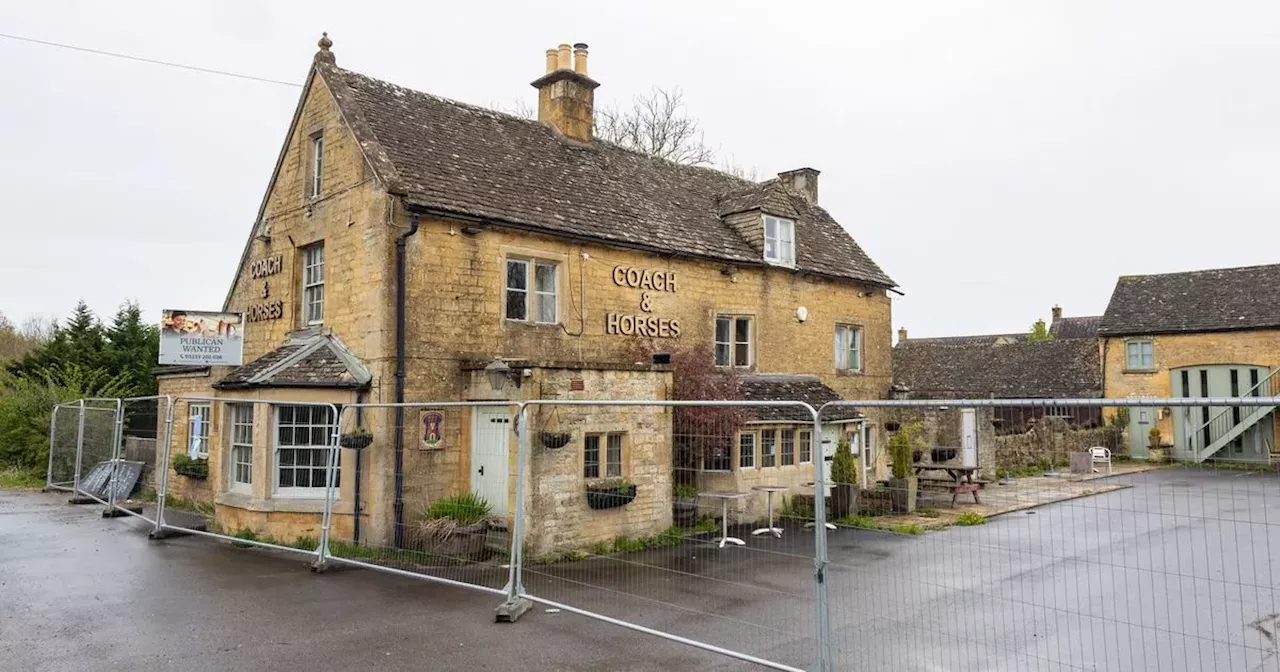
column 555, row 439
column 356, row 441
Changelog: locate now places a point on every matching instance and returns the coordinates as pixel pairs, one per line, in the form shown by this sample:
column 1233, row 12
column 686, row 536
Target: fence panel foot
column 82, row 500
column 511, row 610
column 121, row 511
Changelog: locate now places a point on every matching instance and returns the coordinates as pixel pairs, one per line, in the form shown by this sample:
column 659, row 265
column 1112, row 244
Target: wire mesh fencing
column 247, row 471
column 96, row 448
column 684, row 519
column 424, row 489
column 1053, row 535
column 64, row 429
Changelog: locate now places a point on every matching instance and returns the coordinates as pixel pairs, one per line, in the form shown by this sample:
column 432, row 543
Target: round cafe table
column 724, row 496
column 809, row 525
column 769, row 490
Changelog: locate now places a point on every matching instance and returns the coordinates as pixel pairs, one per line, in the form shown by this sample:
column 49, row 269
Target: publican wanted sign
column 198, row 338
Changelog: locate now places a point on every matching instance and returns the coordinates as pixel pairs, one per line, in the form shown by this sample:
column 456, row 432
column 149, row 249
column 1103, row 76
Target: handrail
column 1224, row 421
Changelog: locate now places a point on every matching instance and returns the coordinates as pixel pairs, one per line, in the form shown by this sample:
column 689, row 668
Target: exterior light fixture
column 499, row 373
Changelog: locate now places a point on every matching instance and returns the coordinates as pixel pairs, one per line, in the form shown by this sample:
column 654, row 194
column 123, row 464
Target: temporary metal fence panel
column 1052, row 535
column 144, row 423
column 685, row 520
column 96, row 447
column 423, row 489
column 253, row 452
column 64, row 426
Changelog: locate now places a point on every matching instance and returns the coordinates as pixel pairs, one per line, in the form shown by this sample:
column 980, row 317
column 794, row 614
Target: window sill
column 531, row 324
column 294, row 504
column 850, row 372
column 1139, row 371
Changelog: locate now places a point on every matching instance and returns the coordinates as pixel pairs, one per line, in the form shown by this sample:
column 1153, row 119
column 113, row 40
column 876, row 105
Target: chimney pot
column 551, row 60
column 902, row 334
column 562, row 60
column 580, row 58
column 1057, row 313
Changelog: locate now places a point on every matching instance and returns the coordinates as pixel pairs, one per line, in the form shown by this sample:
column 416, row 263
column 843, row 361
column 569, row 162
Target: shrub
column 844, row 467
column 462, row 509
column 684, row 491
column 909, row 528
column 903, row 442
column 970, row 518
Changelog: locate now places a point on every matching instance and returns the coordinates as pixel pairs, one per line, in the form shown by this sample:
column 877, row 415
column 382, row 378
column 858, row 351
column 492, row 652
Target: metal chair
column 1100, row 455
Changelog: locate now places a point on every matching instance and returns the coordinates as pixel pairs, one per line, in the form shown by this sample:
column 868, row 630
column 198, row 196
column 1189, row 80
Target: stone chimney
column 902, row 334
column 566, row 95
column 803, row 181
column 1057, row 313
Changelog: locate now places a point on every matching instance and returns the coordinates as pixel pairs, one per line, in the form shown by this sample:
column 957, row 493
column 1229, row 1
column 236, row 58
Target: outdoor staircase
column 1222, row 429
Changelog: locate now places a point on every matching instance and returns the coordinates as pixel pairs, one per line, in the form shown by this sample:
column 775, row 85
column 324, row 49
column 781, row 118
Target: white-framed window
column 240, row 464
column 733, row 341
column 746, row 450
column 848, row 347
column 805, row 438
column 591, row 457
column 302, row 449
column 779, row 241
column 1139, row 355
column 769, row 448
column 868, row 450
column 313, row 284
column 317, row 165
column 788, row 447
column 198, row 416
column 531, row 291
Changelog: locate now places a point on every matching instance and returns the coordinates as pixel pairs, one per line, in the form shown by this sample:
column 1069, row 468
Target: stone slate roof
column 1057, row 368
column 1076, row 327
column 980, row 339
column 459, row 159
column 792, row 388
column 306, row 361
column 1224, row 299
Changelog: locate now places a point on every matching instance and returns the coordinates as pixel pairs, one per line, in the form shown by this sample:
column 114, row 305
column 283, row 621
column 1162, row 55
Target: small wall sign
column 432, row 429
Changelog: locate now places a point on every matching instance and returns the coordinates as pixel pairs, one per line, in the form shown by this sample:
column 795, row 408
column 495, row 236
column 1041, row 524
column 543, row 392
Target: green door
column 1141, row 420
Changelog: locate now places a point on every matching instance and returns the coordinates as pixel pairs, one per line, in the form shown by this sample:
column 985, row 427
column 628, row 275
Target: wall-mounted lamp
column 264, row 232
column 471, row 230
column 730, row 272
column 499, row 373
column 802, row 314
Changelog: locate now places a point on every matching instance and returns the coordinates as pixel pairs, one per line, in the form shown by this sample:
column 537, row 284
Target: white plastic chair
column 1101, row 455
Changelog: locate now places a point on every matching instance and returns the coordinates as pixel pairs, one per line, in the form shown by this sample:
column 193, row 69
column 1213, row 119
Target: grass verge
column 14, row 478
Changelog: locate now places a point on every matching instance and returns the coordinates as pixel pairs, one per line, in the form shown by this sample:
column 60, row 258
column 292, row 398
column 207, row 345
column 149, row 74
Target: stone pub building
column 409, row 246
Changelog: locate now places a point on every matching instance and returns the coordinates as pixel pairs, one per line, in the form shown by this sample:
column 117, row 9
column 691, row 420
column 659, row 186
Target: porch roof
column 317, row 360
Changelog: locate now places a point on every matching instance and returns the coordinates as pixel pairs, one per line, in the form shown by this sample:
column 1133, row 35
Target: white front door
column 489, row 456
column 969, row 437
column 830, row 441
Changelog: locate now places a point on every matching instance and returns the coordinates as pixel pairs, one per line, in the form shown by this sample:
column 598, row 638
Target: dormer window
column 779, row 241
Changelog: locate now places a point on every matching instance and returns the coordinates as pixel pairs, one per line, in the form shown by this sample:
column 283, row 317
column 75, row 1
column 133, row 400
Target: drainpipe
column 401, row 242
column 355, row 510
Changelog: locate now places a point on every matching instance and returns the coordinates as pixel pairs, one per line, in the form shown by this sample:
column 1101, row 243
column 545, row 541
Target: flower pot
column 356, row 441
column 684, row 511
column 466, row 542
column 555, row 439
column 610, row 497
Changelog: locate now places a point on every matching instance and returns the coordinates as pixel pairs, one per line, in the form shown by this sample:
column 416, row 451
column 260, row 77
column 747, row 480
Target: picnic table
column 961, row 481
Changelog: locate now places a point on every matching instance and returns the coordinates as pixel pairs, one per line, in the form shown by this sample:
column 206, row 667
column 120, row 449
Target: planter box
column 844, row 500
column 904, row 494
column 610, row 498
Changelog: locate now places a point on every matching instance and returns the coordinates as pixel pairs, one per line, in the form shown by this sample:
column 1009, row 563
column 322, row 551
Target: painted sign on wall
column 261, row 269
column 197, row 338
column 432, row 428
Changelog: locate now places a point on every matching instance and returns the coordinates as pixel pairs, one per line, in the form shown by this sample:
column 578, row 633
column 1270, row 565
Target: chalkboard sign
column 99, row 482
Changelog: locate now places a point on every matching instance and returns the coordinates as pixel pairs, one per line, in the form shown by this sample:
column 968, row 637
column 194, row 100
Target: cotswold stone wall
column 1052, row 441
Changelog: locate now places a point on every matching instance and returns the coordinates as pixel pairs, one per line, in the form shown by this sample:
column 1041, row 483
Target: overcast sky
column 994, row 158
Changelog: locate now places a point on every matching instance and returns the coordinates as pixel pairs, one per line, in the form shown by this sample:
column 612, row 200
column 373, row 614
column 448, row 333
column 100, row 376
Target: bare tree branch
column 656, row 124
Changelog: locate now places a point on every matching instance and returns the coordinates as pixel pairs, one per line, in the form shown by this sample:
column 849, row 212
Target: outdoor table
column 724, row 496
column 809, row 525
column 962, row 479
column 769, row 490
